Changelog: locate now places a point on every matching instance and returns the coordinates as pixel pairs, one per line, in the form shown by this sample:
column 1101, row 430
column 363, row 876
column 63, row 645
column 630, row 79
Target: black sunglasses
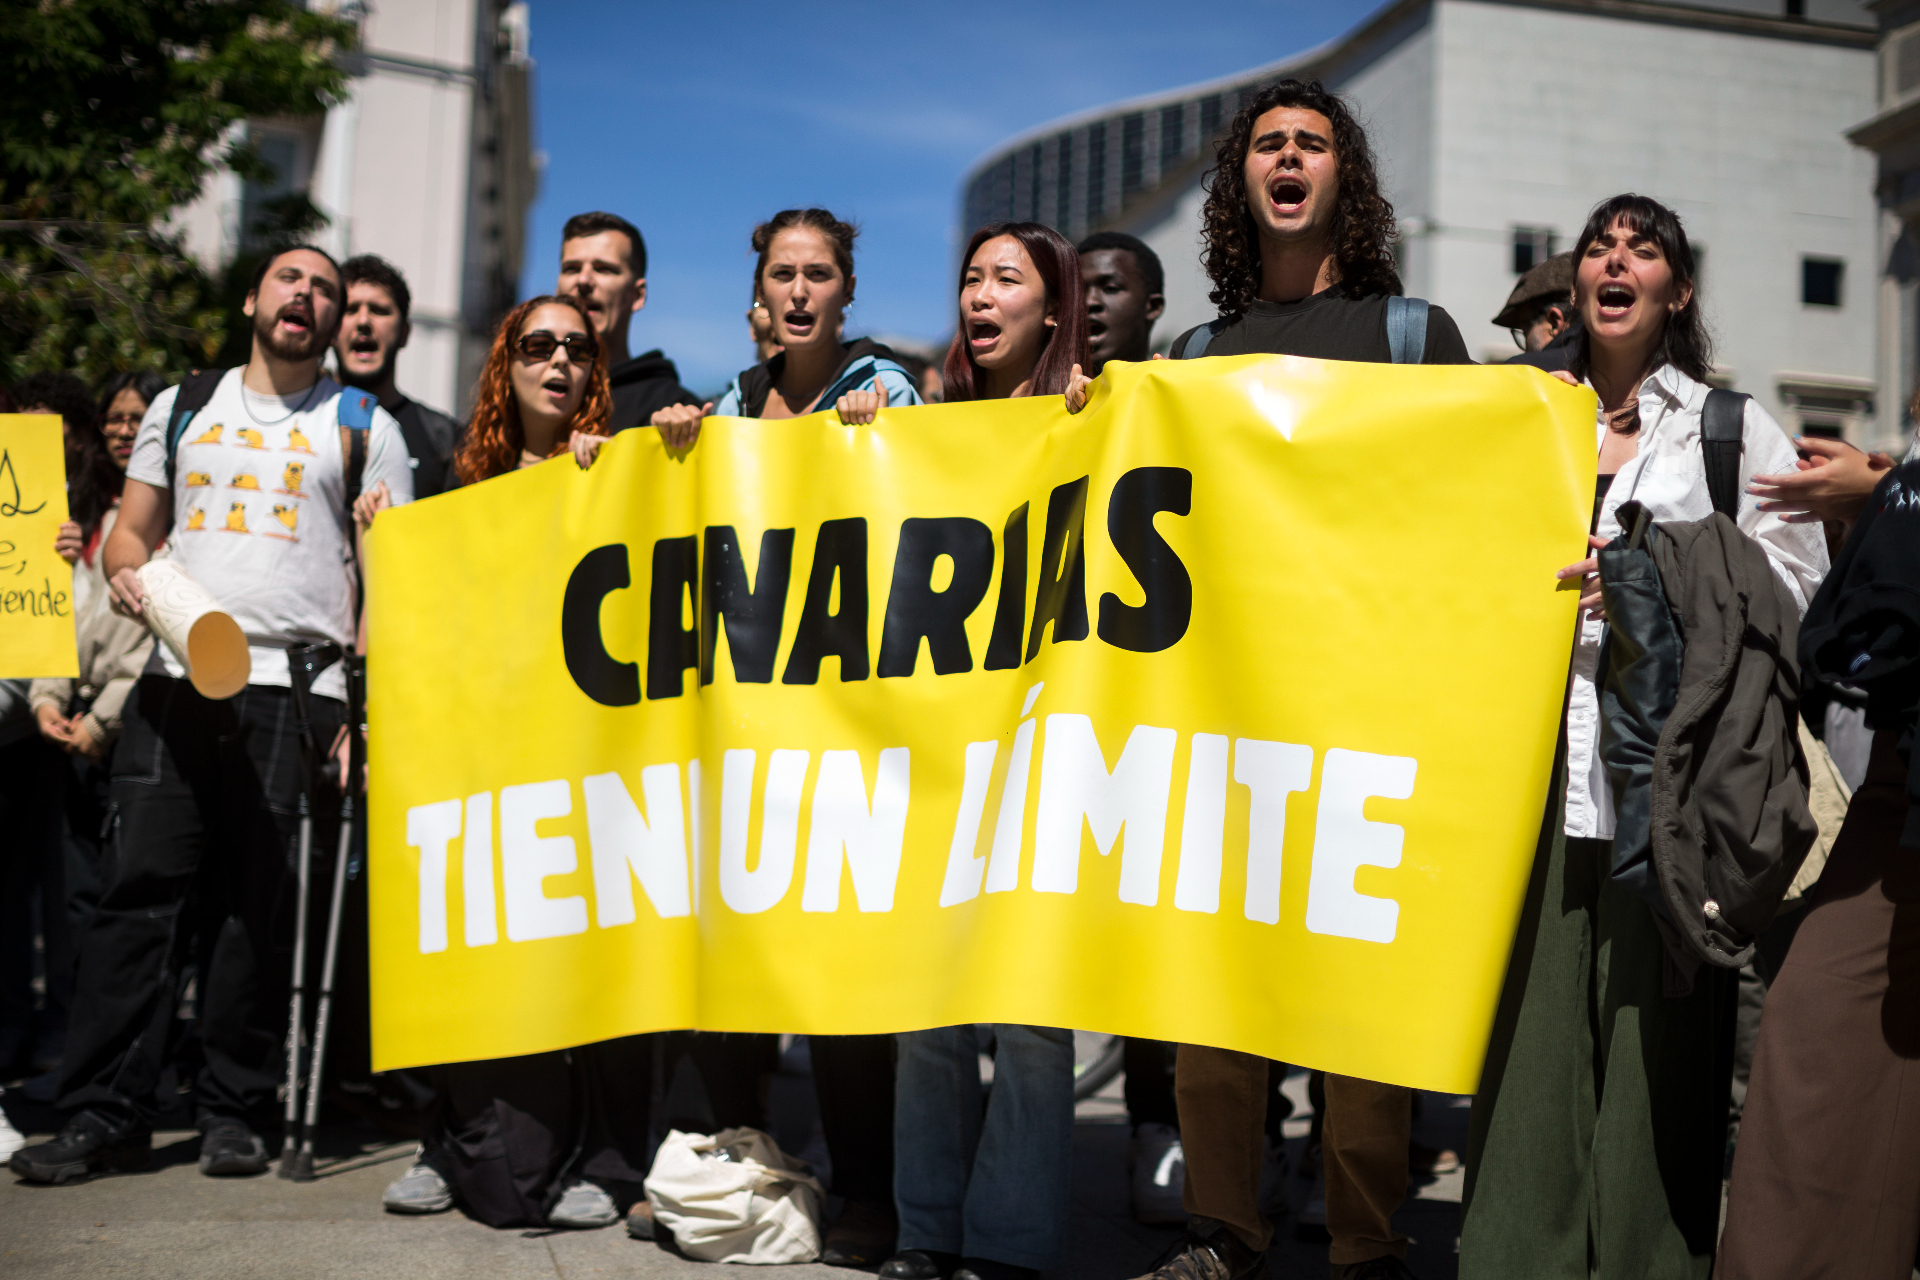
column 540, row 345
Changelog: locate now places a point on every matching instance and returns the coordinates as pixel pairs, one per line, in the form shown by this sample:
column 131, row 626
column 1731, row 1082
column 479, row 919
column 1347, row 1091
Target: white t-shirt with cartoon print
column 259, row 513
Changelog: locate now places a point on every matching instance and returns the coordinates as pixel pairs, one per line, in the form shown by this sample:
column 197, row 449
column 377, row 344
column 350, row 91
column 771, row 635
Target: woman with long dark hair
column 984, row 1196
column 1599, row 1133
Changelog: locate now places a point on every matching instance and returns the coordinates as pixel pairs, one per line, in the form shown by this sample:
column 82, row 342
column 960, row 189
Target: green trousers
column 1599, row 1132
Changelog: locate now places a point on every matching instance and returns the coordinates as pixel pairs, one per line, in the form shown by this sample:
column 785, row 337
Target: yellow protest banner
column 36, row 586
column 1221, row 712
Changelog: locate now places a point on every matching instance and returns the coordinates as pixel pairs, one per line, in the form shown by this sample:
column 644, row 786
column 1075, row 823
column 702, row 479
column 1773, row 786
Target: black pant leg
column 616, row 1079
column 732, row 1065
column 853, row 1081
column 128, row 971
column 255, row 840
column 501, row 1132
column 1149, row 1082
column 30, row 876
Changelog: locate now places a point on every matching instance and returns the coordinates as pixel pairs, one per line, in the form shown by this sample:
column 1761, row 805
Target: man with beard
column 373, row 330
column 254, row 496
column 603, row 262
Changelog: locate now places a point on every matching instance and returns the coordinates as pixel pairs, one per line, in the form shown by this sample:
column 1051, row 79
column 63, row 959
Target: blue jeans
column 995, row 1186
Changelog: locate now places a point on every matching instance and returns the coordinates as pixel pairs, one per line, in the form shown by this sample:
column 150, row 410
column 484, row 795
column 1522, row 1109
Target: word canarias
column 709, row 572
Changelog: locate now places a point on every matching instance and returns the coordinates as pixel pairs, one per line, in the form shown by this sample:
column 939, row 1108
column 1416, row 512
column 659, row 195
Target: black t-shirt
column 432, row 437
column 1330, row 326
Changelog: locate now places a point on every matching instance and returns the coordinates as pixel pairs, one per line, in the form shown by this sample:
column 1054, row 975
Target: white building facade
column 1497, row 127
column 428, row 162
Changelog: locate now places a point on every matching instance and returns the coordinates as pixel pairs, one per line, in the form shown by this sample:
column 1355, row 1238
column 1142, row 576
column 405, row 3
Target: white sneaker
column 11, row 1139
column 584, row 1205
column 420, row 1189
column 1159, row 1165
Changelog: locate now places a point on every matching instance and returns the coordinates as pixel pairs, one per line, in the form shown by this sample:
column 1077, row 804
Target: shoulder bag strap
column 1722, row 428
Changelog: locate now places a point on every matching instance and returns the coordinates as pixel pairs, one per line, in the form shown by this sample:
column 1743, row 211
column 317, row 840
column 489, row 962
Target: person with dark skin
column 1126, row 293
column 374, row 328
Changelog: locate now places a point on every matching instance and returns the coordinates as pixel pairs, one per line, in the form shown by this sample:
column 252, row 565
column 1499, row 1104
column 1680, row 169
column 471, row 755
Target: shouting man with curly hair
column 1299, row 243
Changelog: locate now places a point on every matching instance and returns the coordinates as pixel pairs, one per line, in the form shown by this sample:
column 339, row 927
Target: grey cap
column 1552, row 279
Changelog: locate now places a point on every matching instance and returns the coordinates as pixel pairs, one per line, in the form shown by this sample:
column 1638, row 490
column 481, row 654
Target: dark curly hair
column 1363, row 229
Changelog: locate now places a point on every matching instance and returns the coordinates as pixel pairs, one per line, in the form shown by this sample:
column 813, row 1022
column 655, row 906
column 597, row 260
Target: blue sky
column 697, row 121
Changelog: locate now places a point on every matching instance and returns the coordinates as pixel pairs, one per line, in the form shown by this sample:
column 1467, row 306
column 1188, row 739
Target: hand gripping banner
column 1222, row 712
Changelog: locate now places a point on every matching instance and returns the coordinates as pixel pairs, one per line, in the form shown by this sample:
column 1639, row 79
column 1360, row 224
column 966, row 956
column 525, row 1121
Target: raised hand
column 586, row 447
column 679, row 424
column 1833, row 481
column 67, row 544
column 858, row 408
column 1077, row 384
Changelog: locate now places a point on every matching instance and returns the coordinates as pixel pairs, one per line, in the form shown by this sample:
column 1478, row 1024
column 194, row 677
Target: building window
column 1820, row 282
column 1133, row 153
column 1097, row 172
column 269, row 208
column 1531, row 247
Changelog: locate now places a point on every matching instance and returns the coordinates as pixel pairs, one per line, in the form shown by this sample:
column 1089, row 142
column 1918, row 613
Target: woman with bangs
column 983, row 1195
column 1599, row 1133
column 544, row 389
column 549, row 1139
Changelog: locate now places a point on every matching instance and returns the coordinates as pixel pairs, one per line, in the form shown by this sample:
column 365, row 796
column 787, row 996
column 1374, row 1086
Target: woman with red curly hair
column 544, row 384
column 549, row 1139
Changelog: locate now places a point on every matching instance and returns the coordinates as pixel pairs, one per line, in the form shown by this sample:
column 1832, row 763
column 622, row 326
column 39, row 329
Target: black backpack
column 356, row 419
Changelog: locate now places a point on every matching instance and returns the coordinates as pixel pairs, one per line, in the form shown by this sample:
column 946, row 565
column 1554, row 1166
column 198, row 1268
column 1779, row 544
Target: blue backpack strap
column 356, row 419
column 196, row 389
column 1407, row 330
column 1723, row 422
column 1200, row 339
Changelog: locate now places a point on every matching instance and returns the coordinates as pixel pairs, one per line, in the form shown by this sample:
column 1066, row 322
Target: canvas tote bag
column 735, row 1197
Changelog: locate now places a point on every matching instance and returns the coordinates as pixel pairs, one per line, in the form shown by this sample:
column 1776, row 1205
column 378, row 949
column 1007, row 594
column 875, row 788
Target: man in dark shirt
column 603, row 262
column 1299, row 244
column 373, row 329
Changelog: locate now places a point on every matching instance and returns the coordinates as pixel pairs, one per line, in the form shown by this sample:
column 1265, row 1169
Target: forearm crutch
column 305, row 662
column 356, row 670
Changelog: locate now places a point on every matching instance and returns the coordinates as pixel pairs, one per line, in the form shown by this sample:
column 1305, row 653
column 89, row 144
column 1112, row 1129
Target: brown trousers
column 1222, row 1096
column 1826, row 1178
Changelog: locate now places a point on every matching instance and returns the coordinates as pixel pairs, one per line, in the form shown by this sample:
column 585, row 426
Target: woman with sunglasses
column 500, row 1135
column 983, row 1192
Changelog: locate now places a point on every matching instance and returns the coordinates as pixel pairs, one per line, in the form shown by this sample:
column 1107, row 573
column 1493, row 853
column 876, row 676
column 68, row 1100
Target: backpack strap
column 356, row 419
column 196, row 389
column 1200, row 339
column 1722, row 428
column 1407, row 329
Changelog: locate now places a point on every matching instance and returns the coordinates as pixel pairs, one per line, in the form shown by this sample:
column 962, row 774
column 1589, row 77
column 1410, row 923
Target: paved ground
column 173, row 1224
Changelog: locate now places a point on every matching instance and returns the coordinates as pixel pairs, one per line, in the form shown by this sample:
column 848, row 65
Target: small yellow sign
column 1222, row 712
column 36, row 586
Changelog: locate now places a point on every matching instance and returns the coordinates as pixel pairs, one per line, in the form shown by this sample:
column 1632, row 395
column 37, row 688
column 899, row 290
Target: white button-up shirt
column 1669, row 478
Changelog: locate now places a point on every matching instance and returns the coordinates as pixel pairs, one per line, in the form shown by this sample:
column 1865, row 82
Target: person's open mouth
column 556, row 386
column 799, row 323
column 1615, row 300
column 1096, row 328
column 296, row 317
column 982, row 335
column 1287, row 193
